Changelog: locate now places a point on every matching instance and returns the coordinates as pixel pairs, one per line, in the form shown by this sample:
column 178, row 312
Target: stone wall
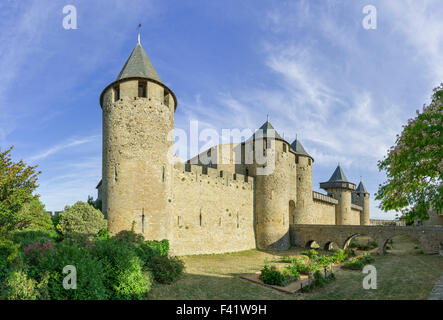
column 322, row 212
column 355, row 217
column 213, row 211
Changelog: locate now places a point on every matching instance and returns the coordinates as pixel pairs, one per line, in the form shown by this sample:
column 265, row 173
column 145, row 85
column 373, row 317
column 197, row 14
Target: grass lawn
column 401, row 274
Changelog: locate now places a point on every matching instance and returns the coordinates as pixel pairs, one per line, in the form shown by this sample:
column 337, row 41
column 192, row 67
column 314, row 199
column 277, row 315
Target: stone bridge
column 302, row 235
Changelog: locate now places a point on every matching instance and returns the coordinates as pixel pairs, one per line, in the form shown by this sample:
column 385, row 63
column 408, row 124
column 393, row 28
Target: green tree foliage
column 414, row 165
column 17, row 183
column 81, row 219
column 33, row 216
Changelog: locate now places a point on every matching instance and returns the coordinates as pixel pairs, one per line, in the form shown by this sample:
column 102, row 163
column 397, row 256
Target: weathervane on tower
column 139, row 27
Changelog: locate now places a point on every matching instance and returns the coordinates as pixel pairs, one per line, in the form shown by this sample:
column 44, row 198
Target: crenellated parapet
column 196, row 173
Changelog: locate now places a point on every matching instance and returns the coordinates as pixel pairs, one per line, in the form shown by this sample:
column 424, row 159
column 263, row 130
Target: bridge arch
column 349, row 239
column 409, row 238
column 312, row 244
column 330, row 245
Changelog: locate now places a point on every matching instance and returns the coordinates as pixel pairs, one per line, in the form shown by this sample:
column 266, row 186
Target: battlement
column 322, row 197
column 219, row 176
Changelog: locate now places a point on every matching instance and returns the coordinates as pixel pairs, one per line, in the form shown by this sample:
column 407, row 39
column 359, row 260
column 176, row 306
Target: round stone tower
column 339, row 188
column 138, row 114
column 304, row 203
column 362, row 199
column 273, row 191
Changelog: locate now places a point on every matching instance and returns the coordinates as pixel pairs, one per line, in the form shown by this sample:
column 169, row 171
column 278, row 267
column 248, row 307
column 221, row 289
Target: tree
column 414, row 165
column 17, row 183
column 81, row 219
column 33, row 216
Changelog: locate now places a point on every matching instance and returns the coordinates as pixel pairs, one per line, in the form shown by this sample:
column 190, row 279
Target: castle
column 230, row 203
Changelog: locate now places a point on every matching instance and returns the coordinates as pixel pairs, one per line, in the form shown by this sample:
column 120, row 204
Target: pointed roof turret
column 139, row 65
column 338, row 180
column 361, row 188
column 266, row 131
column 338, row 175
column 297, row 147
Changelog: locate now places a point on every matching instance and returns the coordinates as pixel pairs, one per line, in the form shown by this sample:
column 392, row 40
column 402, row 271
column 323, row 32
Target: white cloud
column 421, row 25
column 65, row 145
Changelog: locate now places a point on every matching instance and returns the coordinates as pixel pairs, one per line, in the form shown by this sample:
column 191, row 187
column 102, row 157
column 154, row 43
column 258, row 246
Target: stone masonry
column 233, row 202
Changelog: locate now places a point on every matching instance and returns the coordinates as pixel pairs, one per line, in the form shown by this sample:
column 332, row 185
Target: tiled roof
column 138, row 65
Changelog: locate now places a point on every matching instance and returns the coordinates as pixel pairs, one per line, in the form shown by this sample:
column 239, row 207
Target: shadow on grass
column 215, row 287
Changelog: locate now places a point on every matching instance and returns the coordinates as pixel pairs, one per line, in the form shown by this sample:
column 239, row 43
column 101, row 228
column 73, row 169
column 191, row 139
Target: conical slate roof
column 138, row 65
column 338, row 175
column 266, row 131
column 297, row 147
column 361, row 188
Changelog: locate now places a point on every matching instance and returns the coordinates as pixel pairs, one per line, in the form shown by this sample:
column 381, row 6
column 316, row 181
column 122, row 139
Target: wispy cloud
column 66, row 145
column 421, row 25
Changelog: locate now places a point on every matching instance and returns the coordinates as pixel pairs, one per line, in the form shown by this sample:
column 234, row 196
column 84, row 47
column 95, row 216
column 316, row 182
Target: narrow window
column 247, row 172
column 284, row 147
column 200, row 218
column 238, row 223
column 309, row 161
column 143, row 220
column 142, row 89
column 178, row 221
column 116, row 93
column 296, row 159
column 166, row 97
column 163, row 174
column 116, row 172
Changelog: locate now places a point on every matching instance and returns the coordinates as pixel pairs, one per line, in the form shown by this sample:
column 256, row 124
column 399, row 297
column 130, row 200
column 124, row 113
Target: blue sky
column 344, row 90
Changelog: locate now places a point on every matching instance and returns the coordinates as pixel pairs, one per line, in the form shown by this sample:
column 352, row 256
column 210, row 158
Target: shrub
column 286, row 259
column 319, row 281
column 103, row 234
column 292, row 272
column 310, row 253
column 299, row 258
column 166, row 269
column 366, row 258
column 81, row 219
column 27, row 237
column 354, row 264
column 18, row 286
column 125, row 278
column 91, row 275
column 339, row 256
column 34, row 252
column 146, row 250
column 130, row 237
column 271, row 276
column 324, row 260
column 302, row 267
column 9, row 253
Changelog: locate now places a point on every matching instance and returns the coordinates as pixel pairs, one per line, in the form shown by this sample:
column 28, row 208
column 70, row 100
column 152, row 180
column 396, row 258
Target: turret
column 304, row 202
column 138, row 114
column 361, row 197
column 339, row 188
column 273, row 187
